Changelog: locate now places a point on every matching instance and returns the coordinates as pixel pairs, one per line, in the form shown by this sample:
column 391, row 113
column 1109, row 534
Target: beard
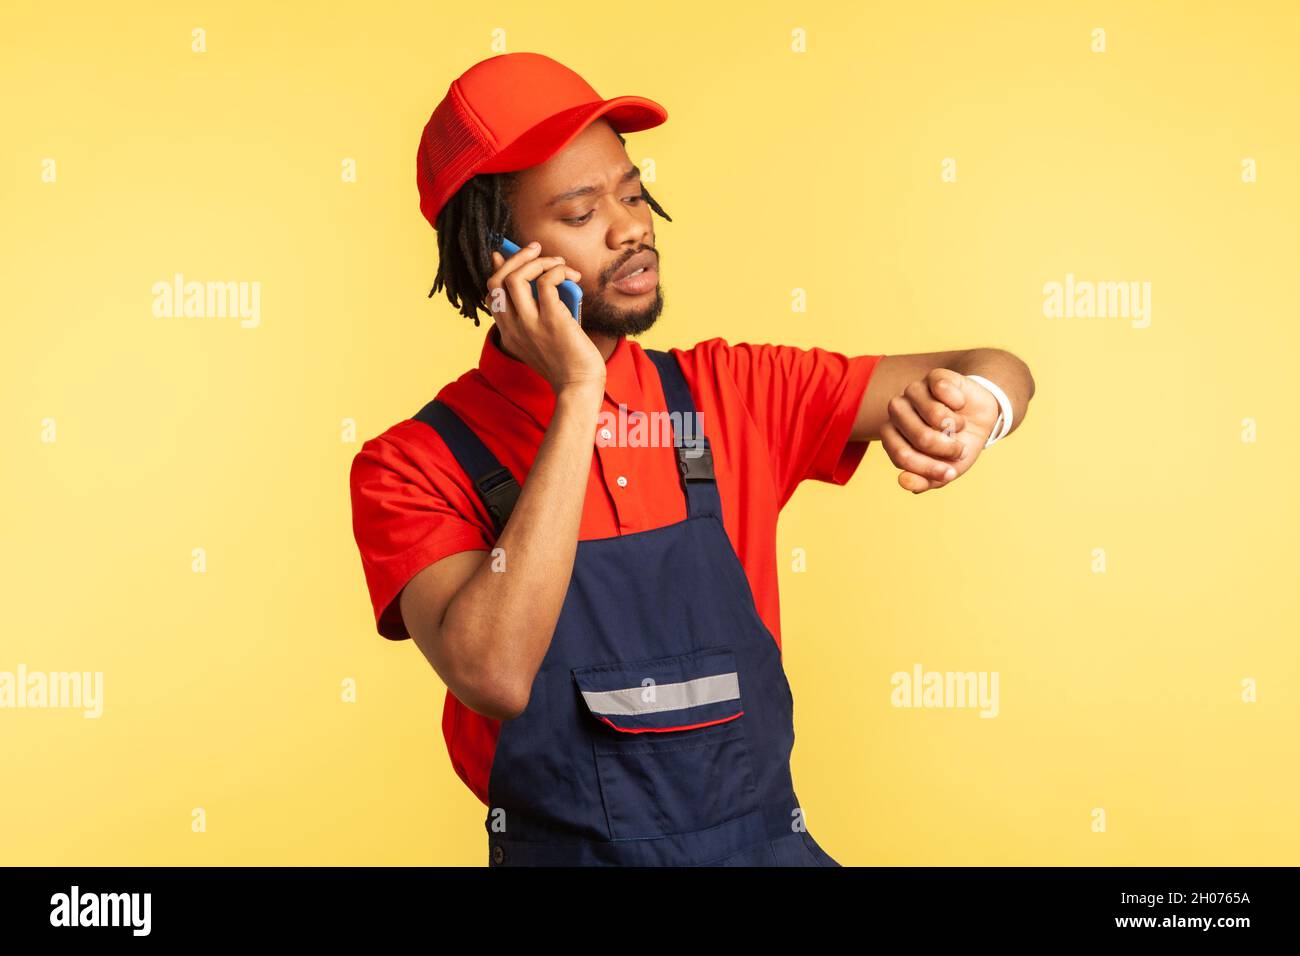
column 599, row 316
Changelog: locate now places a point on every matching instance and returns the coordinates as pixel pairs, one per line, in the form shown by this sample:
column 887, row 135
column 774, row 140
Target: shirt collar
column 523, row 386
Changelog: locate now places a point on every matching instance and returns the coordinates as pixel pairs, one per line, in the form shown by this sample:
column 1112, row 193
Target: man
column 598, row 589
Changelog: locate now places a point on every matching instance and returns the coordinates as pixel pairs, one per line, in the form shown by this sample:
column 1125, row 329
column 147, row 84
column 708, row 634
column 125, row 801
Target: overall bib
column 660, row 724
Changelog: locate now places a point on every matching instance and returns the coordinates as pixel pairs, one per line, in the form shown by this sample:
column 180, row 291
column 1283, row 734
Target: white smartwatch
column 1003, row 424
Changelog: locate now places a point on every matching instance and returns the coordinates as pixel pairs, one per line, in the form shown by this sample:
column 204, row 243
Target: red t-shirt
column 774, row 415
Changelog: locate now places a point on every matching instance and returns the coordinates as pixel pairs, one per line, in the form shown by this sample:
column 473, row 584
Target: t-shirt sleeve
column 406, row 515
column 804, row 403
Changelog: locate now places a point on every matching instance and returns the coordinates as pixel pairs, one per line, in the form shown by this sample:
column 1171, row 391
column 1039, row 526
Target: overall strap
column 496, row 486
column 694, row 454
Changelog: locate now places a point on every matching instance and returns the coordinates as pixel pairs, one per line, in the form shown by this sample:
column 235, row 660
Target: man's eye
column 579, row 220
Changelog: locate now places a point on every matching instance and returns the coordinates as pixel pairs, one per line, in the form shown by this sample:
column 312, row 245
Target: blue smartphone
column 569, row 291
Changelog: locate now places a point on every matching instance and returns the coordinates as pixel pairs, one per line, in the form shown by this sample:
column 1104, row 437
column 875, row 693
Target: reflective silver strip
column 632, row 700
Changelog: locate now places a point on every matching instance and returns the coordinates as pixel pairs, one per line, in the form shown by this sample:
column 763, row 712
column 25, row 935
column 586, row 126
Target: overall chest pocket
column 668, row 739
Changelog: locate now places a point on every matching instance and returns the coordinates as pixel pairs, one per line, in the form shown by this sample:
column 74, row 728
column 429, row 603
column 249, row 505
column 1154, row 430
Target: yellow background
column 817, row 170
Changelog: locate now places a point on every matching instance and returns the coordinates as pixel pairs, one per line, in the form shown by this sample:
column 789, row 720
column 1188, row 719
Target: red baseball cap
column 510, row 112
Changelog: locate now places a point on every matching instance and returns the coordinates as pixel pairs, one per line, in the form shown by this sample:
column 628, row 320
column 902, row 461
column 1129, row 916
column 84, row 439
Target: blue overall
column 660, row 724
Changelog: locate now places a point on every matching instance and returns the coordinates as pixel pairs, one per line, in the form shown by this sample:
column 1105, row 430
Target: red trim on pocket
column 661, row 730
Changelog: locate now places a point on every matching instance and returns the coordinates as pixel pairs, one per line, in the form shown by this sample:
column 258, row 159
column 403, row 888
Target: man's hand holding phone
column 541, row 331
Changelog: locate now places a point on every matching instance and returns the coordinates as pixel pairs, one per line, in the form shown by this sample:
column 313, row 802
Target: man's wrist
column 1004, row 421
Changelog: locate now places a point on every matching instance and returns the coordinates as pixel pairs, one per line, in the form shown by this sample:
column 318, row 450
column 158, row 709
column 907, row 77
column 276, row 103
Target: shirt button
column 605, row 434
column 622, row 482
column 498, row 854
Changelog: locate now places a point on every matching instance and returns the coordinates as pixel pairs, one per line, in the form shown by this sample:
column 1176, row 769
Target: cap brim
column 626, row 114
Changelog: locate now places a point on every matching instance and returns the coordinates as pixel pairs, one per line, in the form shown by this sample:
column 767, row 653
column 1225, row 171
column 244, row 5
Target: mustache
column 626, row 259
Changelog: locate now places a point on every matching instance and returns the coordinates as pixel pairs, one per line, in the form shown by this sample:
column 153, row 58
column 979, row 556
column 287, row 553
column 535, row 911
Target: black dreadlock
column 480, row 206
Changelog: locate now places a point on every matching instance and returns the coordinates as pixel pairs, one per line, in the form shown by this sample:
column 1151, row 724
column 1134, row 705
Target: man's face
column 584, row 203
